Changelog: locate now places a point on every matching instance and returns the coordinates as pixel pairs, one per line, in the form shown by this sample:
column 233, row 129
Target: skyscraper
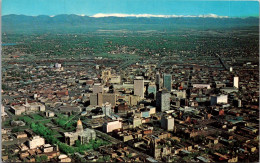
column 98, row 88
column 235, row 82
column 157, row 80
column 139, row 86
column 152, row 90
column 167, row 122
column 167, row 81
column 106, row 108
column 163, row 100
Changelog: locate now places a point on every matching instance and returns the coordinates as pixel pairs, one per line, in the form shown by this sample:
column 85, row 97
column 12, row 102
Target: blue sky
column 155, row 7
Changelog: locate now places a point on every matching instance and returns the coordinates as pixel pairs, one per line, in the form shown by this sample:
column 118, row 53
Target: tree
column 16, row 129
column 223, row 150
column 66, row 148
column 129, row 155
column 106, row 158
column 77, row 143
column 42, row 158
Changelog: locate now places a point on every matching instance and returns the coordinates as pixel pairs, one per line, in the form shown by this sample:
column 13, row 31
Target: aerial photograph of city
column 129, row 81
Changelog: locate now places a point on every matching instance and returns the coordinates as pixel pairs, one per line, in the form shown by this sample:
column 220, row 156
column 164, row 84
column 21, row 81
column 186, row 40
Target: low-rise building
column 64, row 158
column 27, row 107
column 20, row 135
column 35, row 142
column 221, row 99
column 201, row 86
column 49, row 114
column 137, row 121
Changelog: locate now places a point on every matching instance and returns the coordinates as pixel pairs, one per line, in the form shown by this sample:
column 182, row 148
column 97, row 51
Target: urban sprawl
column 124, row 107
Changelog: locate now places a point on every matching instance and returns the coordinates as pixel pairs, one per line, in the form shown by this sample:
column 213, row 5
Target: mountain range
column 22, row 23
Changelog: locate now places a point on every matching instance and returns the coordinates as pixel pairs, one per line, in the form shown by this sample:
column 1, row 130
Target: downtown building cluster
column 146, row 112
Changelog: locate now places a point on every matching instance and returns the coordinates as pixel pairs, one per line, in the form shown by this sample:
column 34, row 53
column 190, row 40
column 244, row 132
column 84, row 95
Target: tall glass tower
column 167, row 81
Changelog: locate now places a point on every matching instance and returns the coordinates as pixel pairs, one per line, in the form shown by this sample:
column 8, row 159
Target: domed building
column 83, row 135
column 79, row 126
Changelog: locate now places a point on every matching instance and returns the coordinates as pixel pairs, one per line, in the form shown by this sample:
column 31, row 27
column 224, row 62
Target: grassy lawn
column 55, row 132
column 20, row 128
column 59, row 136
column 6, row 123
column 37, row 117
column 48, row 134
column 26, row 119
column 46, row 121
column 61, row 115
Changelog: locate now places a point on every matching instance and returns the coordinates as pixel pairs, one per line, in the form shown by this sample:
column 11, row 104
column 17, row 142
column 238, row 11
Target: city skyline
column 156, row 81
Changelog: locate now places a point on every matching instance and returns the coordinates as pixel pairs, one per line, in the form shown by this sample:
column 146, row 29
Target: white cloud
column 99, row 15
column 75, row 14
column 81, row 14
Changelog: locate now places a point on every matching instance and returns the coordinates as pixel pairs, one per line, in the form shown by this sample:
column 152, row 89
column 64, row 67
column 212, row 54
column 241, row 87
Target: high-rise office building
column 235, row 82
column 139, row 86
column 163, row 100
column 157, row 81
column 110, row 98
column 101, row 98
column 93, row 98
column 98, row 88
column 167, row 122
column 167, row 81
column 110, row 126
column 107, row 109
column 133, row 100
column 152, row 90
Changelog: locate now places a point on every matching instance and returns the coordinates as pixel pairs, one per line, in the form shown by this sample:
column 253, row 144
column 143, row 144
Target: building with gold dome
column 83, row 135
column 79, row 126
